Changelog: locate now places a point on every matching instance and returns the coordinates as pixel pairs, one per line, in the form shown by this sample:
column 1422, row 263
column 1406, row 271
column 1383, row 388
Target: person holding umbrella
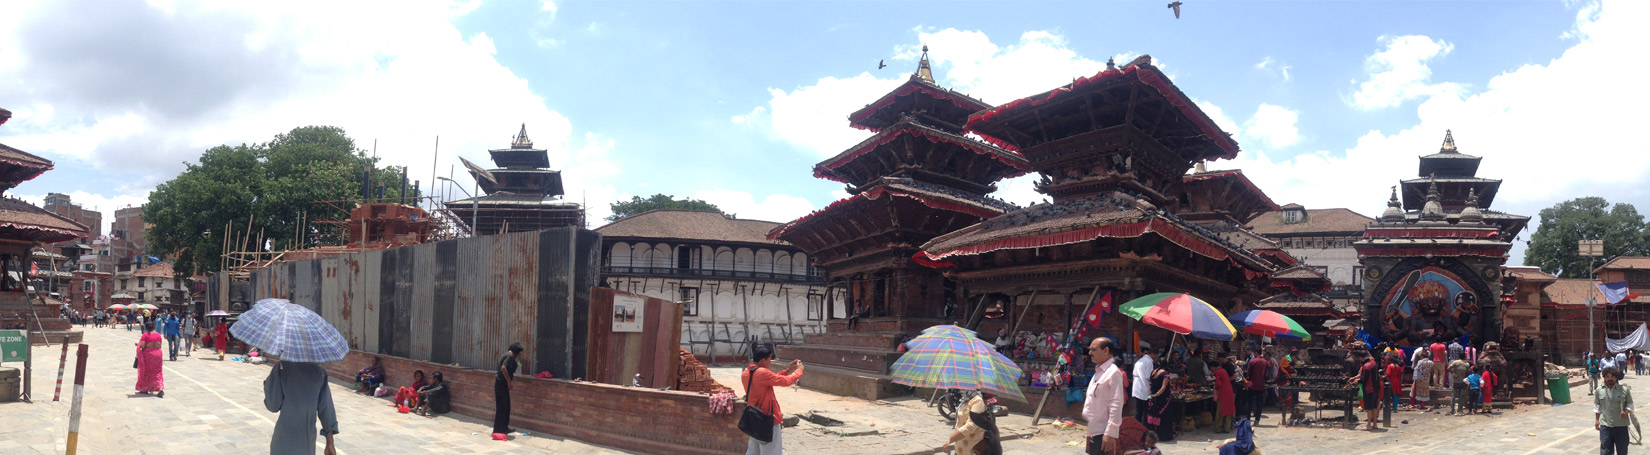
column 220, row 337
column 299, row 341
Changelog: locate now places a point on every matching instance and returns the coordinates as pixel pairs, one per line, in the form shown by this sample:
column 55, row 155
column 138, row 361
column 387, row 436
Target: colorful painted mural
column 1429, row 304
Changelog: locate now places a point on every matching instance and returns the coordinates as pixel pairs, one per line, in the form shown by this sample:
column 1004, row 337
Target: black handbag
column 753, row 422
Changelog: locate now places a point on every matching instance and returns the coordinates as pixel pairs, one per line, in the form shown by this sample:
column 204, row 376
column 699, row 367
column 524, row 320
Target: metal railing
column 708, row 273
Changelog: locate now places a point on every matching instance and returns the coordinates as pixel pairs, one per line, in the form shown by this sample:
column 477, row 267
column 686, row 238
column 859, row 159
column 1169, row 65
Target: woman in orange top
column 759, row 380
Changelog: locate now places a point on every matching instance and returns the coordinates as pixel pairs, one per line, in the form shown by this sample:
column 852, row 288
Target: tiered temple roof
column 21, row 220
column 916, row 178
column 518, row 195
column 1113, row 151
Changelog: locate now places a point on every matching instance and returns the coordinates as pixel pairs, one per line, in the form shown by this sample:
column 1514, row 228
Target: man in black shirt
column 501, row 390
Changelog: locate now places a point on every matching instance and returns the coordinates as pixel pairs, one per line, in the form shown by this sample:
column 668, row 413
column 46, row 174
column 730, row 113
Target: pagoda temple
column 1112, row 151
column 918, row 177
column 520, row 195
column 1433, row 260
column 22, row 228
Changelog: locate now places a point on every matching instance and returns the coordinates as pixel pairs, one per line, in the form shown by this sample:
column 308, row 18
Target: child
column 1148, row 445
column 1474, row 383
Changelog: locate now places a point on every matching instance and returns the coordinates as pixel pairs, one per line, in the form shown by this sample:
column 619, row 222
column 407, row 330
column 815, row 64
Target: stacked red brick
column 695, row 377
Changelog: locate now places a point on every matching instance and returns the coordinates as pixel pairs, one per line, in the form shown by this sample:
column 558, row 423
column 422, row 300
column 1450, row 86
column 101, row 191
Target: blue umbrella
column 291, row 332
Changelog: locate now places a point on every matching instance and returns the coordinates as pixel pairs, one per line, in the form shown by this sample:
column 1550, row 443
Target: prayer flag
column 1091, row 319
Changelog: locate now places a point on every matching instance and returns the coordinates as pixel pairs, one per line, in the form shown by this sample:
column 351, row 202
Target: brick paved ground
column 217, row 407
column 908, row 426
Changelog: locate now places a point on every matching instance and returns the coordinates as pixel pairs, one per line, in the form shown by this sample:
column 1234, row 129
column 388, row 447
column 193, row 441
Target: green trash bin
column 1559, row 385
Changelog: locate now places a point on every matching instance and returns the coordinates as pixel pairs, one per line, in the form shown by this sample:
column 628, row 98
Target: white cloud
column 1272, row 65
column 972, row 64
column 1399, row 72
column 1528, row 131
column 1273, row 124
column 756, row 115
column 815, row 116
column 137, row 90
column 1219, row 116
column 549, row 5
column 774, row 207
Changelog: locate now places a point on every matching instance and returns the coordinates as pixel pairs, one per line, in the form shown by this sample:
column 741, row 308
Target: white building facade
column 737, row 285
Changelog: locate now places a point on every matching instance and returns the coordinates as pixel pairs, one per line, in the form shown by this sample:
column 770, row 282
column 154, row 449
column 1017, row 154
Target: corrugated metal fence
column 457, row 301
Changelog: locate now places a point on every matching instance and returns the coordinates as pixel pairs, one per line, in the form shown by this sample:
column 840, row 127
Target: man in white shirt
column 1141, row 389
column 1103, row 408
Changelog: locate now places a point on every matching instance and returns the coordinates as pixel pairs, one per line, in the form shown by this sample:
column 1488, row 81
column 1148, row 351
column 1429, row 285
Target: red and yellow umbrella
column 1180, row 313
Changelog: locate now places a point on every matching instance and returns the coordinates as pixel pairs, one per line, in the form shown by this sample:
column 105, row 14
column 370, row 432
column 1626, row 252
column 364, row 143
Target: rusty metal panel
column 470, row 305
column 423, row 299
column 521, row 294
column 348, row 292
column 330, row 291
column 364, row 314
column 493, row 328
column 304, row 289
column 446, row 282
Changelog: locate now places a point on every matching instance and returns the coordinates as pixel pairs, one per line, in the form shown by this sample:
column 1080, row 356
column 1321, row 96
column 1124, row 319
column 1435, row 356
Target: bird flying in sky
column 880, row 65
column 1176, row 7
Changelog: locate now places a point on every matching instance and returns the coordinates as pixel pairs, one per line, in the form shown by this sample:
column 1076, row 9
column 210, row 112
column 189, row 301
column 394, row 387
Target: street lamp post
column 475, row 205
column 1591, row 249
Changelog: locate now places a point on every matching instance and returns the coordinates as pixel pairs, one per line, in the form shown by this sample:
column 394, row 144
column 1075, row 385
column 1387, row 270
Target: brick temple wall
column 638, row 419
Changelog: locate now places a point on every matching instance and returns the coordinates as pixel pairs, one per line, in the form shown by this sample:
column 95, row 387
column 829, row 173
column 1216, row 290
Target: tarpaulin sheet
column 1639, row 339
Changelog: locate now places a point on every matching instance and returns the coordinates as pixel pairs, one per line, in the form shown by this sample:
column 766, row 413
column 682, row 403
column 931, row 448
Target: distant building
column 734, row 280
column 1564, row 320
column 126, row 243
column 78, row 250
column 156, row 285
column 1320, row 239
column 1522, row 288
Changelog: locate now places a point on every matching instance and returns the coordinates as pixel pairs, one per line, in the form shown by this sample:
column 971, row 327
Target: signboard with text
column 14, row 345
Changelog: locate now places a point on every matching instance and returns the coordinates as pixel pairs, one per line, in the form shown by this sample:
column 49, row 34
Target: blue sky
column 733, row 102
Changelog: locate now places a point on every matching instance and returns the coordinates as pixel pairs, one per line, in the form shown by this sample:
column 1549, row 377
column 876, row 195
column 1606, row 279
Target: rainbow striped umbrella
column 1270, row 323
column 950, row 357
column 1182, row 314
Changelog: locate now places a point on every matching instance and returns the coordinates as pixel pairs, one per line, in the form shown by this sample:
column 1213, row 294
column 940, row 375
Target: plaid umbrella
column 950, row 357
column 291, row 332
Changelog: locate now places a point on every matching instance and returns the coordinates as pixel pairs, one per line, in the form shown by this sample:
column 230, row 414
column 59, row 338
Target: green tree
column 1555, row 246
column 636, row 205
column 270, row 186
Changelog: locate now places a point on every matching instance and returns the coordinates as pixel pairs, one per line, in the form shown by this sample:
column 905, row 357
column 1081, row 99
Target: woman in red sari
column 148, row 363
column 220, row 335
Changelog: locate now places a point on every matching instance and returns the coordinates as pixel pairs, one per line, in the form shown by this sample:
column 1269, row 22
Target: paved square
column 217, row 407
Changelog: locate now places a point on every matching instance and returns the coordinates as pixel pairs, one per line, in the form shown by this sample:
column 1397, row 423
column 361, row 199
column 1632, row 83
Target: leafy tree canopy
column 269, row 185
column 636, row 205
column 1555, row 247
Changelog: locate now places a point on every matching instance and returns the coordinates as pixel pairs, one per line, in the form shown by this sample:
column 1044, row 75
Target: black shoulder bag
column 753, row 422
